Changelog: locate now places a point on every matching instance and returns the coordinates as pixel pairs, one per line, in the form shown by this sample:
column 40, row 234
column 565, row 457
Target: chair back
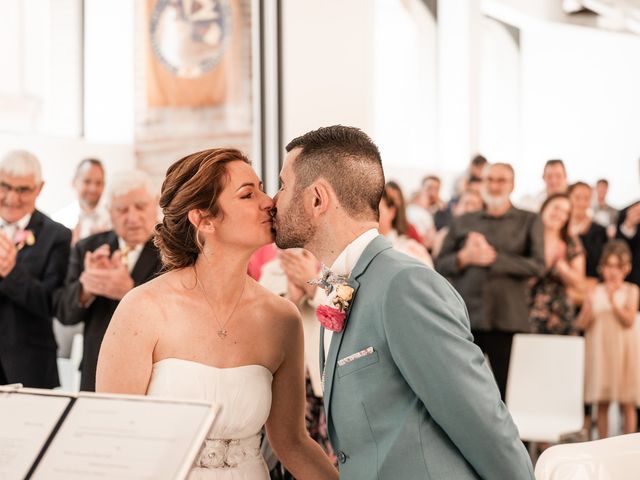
column 611, row 458
column 545, row 385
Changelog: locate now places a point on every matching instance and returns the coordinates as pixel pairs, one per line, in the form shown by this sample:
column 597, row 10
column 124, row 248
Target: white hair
column 124, row 182
column 21, row 163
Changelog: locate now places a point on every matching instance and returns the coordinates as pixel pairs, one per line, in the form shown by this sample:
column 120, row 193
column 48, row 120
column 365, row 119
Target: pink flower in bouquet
column 331, row 318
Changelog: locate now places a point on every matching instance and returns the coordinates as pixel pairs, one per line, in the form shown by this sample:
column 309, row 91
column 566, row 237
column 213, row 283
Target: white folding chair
column 76, row 358
column 545, row 386
column 611, row 458
column 65, row 374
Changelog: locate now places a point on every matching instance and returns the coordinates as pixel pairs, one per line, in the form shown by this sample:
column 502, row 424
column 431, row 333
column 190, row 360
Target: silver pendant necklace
column 222, row 327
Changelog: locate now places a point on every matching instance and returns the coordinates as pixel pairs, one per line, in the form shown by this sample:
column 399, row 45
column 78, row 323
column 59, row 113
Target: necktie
column 125, row 256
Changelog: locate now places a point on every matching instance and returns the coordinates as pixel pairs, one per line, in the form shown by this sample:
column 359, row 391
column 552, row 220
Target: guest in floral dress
column 551, row 309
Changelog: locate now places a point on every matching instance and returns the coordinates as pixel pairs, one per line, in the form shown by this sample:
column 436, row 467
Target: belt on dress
column 217, row 453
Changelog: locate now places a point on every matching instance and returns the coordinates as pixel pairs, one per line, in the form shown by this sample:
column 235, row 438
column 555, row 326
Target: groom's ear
column 320, row 197
column 203, row 222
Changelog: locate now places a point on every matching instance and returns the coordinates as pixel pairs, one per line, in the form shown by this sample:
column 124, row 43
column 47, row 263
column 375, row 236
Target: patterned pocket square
column 362, row 353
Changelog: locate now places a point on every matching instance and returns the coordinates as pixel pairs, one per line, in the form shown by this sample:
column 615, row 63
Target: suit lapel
column 35, row 225
column 377, row 245
column 112, row 240
column 146, row 264
column 334, row 348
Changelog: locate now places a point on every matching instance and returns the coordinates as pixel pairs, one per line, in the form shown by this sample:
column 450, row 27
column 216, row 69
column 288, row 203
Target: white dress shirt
column 132, row 254
column 87, row 223
column 10, row 229
column 343, row 265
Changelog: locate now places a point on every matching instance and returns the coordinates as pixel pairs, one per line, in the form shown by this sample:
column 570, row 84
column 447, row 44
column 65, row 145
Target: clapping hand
column 104, row 275
column 300, row 266
column 477, row 251
column 632, row 219
column 8, row 254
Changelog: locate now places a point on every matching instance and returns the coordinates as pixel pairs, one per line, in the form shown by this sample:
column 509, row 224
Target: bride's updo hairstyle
column 192, row 183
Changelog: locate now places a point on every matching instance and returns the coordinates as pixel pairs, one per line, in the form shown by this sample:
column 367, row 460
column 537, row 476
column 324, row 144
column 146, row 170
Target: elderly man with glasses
column 34, row 253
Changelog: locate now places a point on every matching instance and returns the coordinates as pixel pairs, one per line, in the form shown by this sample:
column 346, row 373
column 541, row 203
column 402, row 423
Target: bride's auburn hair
column 192, row 183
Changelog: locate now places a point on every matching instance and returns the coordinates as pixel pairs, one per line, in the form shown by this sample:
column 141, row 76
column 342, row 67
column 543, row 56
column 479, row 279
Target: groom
column 407, row 393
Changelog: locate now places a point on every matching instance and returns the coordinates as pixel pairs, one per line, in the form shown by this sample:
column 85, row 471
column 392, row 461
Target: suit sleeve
column 529, row 265
column 67, row 298
column 633, row 241
column 425, row 322
column 35, row 294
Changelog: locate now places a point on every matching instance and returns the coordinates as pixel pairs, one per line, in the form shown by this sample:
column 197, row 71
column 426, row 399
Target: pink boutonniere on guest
column 340, row 293
column 22, row 238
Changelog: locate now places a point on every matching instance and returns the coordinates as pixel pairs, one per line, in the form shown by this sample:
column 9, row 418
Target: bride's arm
column 126, row 353
column 286, row 424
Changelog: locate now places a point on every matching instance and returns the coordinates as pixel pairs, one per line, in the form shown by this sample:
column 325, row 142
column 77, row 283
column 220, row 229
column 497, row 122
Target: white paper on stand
column 26, row 422
column 126, row 438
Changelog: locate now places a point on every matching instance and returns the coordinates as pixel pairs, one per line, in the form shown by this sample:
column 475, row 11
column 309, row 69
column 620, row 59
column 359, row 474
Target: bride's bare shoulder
column 274, row 306
column 147, row 299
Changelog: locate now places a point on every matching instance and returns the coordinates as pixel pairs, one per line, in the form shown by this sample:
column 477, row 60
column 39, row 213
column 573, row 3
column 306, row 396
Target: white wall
column 405, row 66
column 109, row 71
column 581, row 103
column 327, row 65
column 500, row 129
column 59, row 157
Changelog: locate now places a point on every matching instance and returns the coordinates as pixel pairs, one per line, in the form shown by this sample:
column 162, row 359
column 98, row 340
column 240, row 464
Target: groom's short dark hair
column 349, row 160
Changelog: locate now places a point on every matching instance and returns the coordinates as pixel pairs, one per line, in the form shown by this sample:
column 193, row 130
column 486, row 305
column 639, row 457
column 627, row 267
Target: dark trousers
column 3, row 377
column 496, row 345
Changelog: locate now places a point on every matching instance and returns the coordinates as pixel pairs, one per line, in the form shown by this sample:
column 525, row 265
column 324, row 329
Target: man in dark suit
column 105, row 266
column 34, row 252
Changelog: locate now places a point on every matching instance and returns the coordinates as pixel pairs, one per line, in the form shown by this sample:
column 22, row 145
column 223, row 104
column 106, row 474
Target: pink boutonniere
column 340, row 295
column 22, row 238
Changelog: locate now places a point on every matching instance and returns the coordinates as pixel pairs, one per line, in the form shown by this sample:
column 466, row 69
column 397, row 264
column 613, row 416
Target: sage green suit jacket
column 421, row 403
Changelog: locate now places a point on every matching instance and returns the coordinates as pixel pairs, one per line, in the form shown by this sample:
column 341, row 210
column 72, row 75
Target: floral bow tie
column 340, row 294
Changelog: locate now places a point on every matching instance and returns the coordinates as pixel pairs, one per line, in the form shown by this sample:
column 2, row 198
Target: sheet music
column 123, row 439
column 26, row 421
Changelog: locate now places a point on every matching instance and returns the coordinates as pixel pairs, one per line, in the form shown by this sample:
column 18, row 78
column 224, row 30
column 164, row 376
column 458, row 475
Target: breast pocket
column 357, row 361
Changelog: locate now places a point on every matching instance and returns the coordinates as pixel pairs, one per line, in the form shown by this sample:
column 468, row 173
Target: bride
column 206, row 330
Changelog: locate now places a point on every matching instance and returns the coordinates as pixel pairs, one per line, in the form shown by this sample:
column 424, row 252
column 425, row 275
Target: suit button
column 342, row 458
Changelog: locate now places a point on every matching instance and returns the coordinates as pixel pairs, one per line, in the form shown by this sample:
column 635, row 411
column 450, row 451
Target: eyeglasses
column 21, row 190
column 617, row 266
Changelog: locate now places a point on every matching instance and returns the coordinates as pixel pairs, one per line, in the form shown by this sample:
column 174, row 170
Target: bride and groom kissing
column 406, row 392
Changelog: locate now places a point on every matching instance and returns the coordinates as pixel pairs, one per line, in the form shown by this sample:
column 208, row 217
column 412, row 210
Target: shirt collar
column 508, row 213
column 352, row 252
column 20, row 224
column 122, row 245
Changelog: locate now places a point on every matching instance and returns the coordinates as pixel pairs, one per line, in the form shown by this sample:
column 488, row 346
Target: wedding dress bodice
column 232, row 448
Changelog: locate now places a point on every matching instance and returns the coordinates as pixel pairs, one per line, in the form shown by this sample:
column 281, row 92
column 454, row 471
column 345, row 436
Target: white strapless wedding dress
column 232, row 448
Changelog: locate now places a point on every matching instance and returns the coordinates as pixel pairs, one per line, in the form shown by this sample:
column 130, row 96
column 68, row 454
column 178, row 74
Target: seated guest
column 603, row 213
column 592, row 235
column 34, row 253
column 105, row 266
column 393, row 225
column 86, row 216
column 551, row 308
